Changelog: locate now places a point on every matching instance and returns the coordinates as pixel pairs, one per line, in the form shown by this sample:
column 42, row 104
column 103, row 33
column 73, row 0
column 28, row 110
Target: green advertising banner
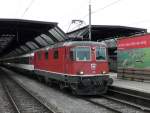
column 134, row 58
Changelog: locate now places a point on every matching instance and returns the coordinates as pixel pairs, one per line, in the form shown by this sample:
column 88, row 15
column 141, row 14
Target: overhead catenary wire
column 27, row 8
column 102, row 8
column 77, row 8
column 108, row 5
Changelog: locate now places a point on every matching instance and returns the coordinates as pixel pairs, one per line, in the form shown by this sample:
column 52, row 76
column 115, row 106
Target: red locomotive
column 79, row 65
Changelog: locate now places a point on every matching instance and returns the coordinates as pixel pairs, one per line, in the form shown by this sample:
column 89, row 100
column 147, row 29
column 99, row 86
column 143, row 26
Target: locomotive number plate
column 93, row 66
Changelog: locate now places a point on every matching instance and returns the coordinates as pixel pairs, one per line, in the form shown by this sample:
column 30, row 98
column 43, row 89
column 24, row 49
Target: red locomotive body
column 73, row 60
column 81, row 66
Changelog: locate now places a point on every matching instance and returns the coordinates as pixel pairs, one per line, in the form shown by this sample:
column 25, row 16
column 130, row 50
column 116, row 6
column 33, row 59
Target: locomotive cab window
column 100, row 53
column 80, row 53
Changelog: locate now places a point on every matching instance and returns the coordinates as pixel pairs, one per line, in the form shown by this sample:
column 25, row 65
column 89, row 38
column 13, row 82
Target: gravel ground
column 56, row 99
column 5, row 105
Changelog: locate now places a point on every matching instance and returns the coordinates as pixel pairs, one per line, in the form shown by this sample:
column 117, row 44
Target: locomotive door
column 66, row 59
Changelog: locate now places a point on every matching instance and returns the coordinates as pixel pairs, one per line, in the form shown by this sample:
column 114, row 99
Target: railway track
column 5, row 106
column 99, row 104
column 121, row 100
column 22, row 100
column 133, row 98
column 113, row 105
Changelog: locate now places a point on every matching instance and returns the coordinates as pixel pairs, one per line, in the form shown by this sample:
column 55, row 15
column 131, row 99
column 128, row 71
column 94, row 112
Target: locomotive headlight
column 104, row 72
column 81, row 72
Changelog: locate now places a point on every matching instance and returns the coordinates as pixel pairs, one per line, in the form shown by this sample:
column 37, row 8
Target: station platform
column 132, row 85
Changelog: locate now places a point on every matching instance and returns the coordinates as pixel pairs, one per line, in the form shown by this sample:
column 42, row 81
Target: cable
column 106, row 6
column 100, row 9
column 69, row 27
column 28, row 7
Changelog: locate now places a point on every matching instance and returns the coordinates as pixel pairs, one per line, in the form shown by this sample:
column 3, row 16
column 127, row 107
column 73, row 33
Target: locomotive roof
column 63, row 44
column 83, row 43
column 75, row 43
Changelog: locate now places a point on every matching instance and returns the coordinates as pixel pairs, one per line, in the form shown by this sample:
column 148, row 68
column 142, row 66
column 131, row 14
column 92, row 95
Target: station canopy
column 18, row 36
column 105, row 32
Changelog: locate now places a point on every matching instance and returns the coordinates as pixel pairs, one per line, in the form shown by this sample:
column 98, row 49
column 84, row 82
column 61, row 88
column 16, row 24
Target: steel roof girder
column 41, row 41
column 30, row 45
column 46, row 37
column 19, row 50
column 60, row 32
column 25, row 48
column 34, row 44
column 56, row 35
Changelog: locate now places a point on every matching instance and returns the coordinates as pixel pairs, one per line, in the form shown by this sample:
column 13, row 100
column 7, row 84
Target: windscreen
column 80, row 53
column 100, row 53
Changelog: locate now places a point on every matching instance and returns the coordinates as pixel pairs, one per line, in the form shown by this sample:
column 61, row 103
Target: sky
column 133, row 13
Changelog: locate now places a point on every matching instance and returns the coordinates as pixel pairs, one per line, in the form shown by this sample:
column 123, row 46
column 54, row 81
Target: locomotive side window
column 46, row 55
column 55, row 55
column 100, row 53
column 72, row 54
column 39, row 55
column 80, row 54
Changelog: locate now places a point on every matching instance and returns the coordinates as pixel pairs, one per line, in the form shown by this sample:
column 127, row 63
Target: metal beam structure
column 104, row 32
column 18, row 36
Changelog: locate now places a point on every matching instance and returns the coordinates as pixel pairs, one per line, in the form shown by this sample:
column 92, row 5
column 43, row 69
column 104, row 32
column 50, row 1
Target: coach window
column 46, row 55
column 55, row 55
column 24, row 60
column 39, row 55
column 100, row 53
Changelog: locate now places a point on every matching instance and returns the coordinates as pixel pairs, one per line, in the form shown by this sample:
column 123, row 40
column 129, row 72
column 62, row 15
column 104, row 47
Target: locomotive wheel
column 41, row 79
column 46, row 80
column 61, row 85
column 73, row 86
column 74, row 92
column 49, row 83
